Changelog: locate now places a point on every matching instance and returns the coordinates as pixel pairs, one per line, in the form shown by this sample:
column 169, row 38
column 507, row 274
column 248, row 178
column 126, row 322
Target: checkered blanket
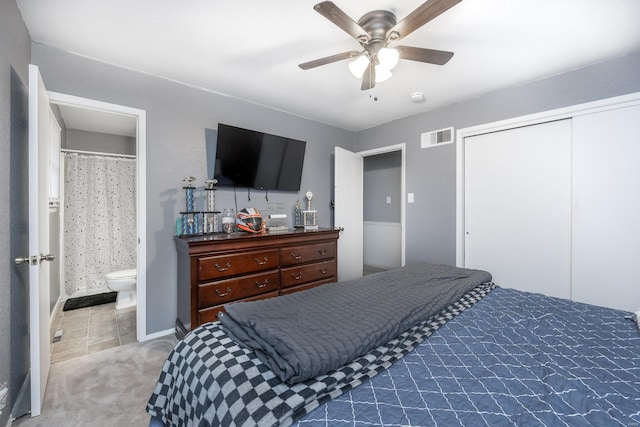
column 209, row 380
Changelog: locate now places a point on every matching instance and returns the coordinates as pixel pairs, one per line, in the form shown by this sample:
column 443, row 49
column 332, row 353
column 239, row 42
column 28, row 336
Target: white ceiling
column 250, row 49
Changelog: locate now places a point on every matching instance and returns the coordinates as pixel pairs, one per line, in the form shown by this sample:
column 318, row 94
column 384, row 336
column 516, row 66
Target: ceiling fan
column 375, row 31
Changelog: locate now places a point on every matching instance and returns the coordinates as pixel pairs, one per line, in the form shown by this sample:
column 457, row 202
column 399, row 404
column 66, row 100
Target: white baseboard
column 159, row 334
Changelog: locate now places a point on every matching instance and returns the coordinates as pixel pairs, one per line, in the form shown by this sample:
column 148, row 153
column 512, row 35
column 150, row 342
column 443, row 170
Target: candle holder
column 228, row 221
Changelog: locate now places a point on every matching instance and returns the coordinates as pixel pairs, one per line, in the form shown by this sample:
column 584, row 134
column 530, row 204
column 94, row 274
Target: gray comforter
column 305, row 334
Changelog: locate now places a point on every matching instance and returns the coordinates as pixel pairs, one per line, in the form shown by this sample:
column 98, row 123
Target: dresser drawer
column 293, row 276
column 221, row 266
column 292, row 289
column 211, row 314
column 222, row 291
column 302, row 254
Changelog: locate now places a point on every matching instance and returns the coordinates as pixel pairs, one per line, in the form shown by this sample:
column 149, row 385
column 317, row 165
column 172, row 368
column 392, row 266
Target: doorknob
column 48, row 257
column 22, row 260
column 34, row 259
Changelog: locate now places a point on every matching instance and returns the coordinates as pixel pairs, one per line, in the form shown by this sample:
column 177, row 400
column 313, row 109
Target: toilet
column 124, row 283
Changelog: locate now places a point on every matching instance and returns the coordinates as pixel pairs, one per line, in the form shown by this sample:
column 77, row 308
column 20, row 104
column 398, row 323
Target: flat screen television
column 252, row 159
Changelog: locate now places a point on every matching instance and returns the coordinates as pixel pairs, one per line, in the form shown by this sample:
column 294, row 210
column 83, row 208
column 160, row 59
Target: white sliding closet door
column 518, row 207
column 606, row 208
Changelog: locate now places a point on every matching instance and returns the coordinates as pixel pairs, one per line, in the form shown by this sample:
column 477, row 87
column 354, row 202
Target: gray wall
column 14, row 339
column 382, row 178
column 176, row 118
column 431, row 172
column 95, row 141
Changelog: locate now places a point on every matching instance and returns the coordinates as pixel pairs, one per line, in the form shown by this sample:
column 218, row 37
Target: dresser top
column 241, row 235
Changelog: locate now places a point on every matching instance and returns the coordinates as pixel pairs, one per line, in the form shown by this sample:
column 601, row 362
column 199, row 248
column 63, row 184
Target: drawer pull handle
column 263, row 262
column 323, row 271
column 323, row 252
column 223, row 294
column 263, row 284
column 225, row 268
column 296, row 257
column 296, row 276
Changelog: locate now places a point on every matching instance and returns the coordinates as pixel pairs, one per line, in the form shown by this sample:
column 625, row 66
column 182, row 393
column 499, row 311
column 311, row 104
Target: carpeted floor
column 108, row 388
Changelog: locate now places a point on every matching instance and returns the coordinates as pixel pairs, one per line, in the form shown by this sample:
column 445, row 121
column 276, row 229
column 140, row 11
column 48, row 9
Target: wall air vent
column 437, row 137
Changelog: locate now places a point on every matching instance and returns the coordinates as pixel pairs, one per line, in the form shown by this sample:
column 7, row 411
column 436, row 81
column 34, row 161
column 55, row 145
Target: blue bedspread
column 516, row 359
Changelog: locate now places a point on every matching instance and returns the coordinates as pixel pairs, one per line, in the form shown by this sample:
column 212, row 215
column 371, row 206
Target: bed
column 480, row 355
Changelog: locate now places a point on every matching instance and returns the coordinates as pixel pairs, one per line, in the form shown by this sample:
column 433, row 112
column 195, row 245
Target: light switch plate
column 410, row 198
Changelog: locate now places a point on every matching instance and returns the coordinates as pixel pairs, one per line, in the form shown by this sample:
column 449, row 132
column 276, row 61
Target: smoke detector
column 417, row 97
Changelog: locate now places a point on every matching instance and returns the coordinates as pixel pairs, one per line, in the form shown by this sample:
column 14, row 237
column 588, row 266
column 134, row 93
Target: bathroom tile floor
column 91, row 329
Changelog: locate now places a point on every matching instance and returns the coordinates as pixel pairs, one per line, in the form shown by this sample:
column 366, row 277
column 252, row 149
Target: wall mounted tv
column 252, row 159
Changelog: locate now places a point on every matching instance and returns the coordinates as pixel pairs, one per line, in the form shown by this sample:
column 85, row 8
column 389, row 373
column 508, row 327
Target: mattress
column 494, row 357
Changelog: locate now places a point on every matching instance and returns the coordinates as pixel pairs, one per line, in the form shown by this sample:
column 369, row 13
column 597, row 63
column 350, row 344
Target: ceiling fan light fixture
column 388, row 57
column 374, row 31
column 358, row 66
column 382, row 74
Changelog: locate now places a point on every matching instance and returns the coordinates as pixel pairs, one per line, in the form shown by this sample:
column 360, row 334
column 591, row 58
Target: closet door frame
column 528, row 120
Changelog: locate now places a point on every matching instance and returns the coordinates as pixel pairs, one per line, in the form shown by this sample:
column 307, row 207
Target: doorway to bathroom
column 101, row 215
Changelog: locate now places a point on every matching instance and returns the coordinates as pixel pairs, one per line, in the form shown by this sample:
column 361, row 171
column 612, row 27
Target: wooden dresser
column 217, row 269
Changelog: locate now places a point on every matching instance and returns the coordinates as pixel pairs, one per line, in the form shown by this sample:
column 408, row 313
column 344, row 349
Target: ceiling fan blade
column 423, row 14
column 329, row 59
column 369, row 77
column 334, row 14
column 431, row 56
